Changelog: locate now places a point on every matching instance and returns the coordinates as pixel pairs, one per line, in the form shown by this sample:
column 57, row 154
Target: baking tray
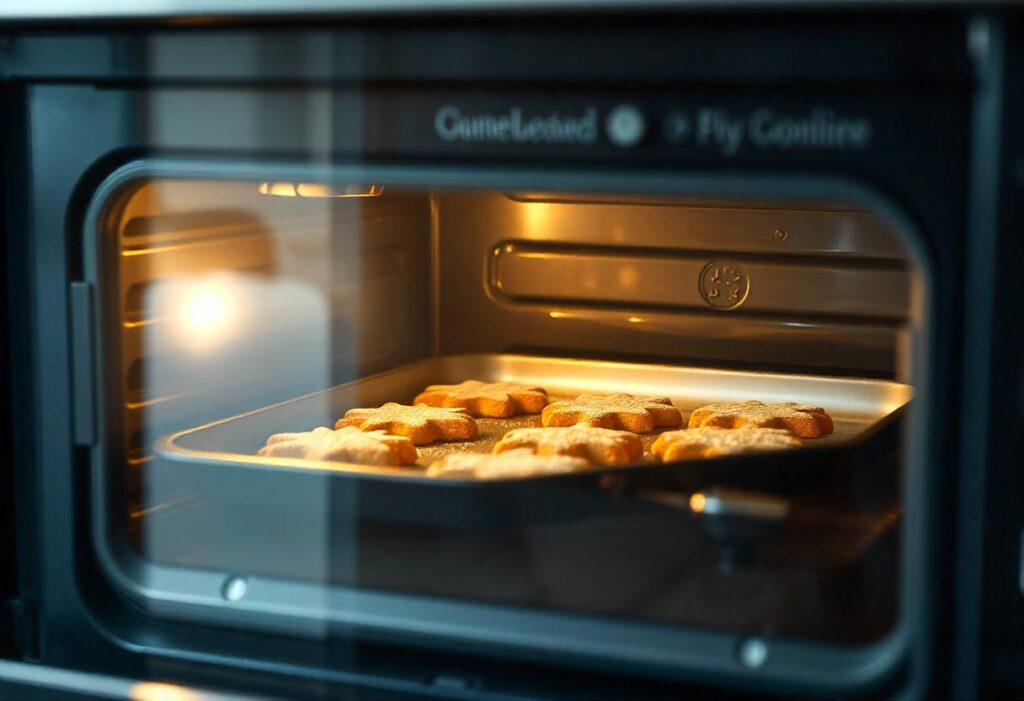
column 859, row 407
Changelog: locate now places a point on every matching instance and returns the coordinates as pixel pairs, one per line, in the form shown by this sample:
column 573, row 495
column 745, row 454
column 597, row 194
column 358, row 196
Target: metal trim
column 82, row 344
column 63, row 10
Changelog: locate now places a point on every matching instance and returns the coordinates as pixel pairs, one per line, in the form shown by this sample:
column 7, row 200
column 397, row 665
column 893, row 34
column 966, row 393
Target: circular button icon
column 724, row 284
column 626, row 126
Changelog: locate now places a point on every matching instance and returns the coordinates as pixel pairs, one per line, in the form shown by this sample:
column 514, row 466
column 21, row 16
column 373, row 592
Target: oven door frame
column 274, row 605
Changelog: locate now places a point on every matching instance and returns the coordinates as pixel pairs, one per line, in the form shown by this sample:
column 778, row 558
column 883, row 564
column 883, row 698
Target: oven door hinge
column 83, row 367
column 19, row 629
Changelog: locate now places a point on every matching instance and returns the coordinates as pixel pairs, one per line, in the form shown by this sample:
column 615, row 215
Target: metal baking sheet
column 857, row 406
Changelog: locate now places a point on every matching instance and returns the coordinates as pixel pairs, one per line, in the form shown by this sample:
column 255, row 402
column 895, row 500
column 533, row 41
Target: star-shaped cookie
column 511, row 465
column 598, row 446
column 420, row 424
column 342, row 445
column 698, row 443
column 799, row 419
column 493, row 399
column 618, row 411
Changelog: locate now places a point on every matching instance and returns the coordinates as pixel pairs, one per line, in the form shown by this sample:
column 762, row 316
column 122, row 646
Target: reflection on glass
column 256, row 308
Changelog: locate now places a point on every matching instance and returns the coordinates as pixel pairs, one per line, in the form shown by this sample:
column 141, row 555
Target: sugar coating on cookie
column 421, row 424
column 614, row 411
column 598, row 446
column 492, row 399
column 348, row 445
column 800, row 419
column 510, row 465
column 698, row 443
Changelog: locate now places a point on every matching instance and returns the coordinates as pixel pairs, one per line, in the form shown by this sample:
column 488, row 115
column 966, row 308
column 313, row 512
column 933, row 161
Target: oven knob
column 626, row 126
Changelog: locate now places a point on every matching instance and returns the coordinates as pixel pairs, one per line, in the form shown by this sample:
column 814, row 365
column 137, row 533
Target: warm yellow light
column 322, row 190
column 536, row 219
column 697, row 502
column 318, row 190
column 206, row 309
column 636, row 320
column 557, row 315
column 157, row 691
column 277, row 189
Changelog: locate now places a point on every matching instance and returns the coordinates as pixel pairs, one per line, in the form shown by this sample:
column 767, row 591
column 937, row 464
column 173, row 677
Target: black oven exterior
column 928, row 94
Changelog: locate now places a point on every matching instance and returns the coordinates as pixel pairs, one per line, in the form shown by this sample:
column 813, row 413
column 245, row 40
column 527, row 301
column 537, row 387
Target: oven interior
column 233, row 309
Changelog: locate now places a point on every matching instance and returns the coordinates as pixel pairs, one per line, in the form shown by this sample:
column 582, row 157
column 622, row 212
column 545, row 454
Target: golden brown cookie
column 342, row 445
column 617, row 411
column 801, row 420
column 511, row 465
column 599, row 446
column 495, row 399
column 420, row 424
column 697, row 443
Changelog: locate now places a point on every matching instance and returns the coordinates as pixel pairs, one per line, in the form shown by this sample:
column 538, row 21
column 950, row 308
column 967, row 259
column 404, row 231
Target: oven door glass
column 490, row 415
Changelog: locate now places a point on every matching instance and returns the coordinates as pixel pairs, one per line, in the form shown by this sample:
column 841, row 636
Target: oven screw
column 781, row 234
column 234, row 588
column 753, row 652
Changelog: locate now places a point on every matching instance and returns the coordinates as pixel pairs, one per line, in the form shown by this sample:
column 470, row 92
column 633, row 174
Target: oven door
column 275, row 295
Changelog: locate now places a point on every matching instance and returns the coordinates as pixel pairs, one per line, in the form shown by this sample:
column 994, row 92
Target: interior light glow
column 206, row 310
column 205, row 313
column 277, row 189
column 636, row 320
column 537, row 219
column 158, row 691
column 318, row 190
column 558, row 315
column 697, row 502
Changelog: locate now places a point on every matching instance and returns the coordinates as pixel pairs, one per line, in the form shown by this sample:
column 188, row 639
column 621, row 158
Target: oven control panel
column 661, row 126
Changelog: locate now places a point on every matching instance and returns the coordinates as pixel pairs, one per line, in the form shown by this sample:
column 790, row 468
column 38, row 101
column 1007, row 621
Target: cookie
column 420, row 424
column 697, row 443
column 598, row 446
column 511, row 465
column 616, row 411
column 801, row 420
column 494, row 399
column 342, row 445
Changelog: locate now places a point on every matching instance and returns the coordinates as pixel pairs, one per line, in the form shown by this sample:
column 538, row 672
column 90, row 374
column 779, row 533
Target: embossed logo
column 724, row 284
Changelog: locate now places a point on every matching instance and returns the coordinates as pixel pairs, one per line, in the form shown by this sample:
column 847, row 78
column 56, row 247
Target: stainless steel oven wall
column 808, row 286
column 229, row 299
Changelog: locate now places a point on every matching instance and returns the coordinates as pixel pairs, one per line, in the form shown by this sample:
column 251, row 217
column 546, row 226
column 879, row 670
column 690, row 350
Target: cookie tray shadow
column 222, row 455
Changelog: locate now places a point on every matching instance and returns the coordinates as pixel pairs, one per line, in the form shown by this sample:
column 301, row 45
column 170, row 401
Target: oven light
column 159, row 691
column 636, row 320
column 558, row 315
column 318, row 190
column 205, row 314
column 207, row 309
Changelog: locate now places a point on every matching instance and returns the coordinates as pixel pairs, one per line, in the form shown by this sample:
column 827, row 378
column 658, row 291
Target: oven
column 517, row 355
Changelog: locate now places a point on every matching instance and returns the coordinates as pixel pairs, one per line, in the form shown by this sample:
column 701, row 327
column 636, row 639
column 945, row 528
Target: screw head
column 234, row 588
column 753, row 652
